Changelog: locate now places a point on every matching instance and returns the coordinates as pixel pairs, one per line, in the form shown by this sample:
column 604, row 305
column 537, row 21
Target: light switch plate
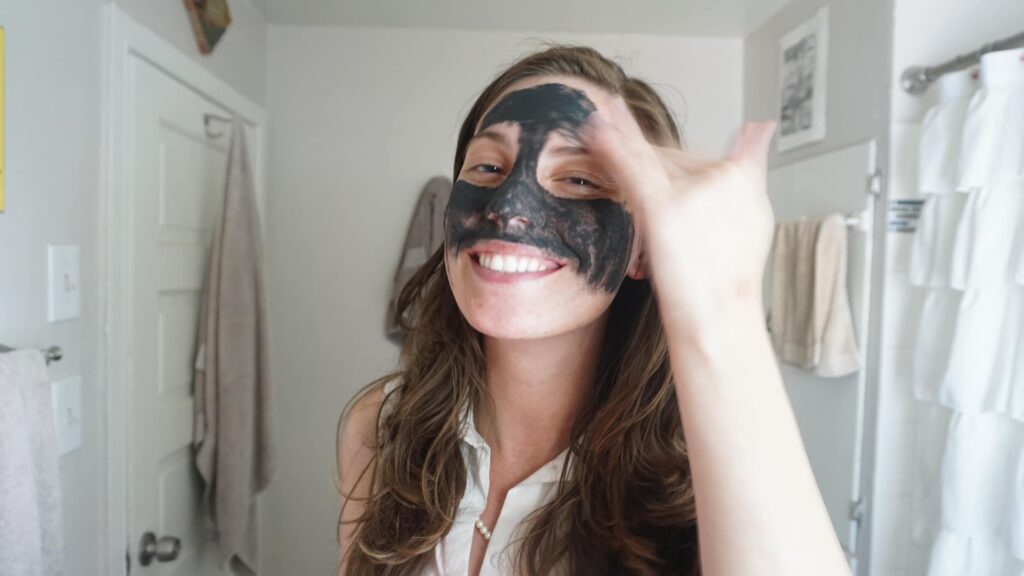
column 65, row 286
column 67, row 413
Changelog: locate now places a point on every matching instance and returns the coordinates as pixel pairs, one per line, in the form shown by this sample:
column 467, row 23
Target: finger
column 684, row 159
column 630, row 160
column 620, row 116
column 752, row 143
column 613, row 110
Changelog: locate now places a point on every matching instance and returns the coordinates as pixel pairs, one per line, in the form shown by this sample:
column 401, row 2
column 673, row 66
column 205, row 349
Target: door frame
column 867, row 329
column 123, row 39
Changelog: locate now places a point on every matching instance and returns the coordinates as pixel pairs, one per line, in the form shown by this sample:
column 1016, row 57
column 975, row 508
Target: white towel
column 31, row 541
column 233, row 396
column 810, row 320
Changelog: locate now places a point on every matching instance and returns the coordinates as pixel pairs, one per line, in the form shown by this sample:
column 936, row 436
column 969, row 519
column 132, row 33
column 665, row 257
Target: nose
column 507, row 223
column 511, row 206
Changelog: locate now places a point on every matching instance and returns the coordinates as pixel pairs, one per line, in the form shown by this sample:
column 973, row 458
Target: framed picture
column 803, row 66
column 209, row 18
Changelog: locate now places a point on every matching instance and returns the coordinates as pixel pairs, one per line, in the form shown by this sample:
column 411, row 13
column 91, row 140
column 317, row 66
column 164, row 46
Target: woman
column 587, row 385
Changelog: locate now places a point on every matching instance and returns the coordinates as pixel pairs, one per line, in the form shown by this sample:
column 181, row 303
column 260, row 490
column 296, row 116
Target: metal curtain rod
column 52, row 354
column 917, row 79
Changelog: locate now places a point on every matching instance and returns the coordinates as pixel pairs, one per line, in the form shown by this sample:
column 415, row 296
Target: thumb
column 752, row 143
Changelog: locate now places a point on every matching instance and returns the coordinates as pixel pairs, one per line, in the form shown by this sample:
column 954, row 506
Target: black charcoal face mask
column 594, row 234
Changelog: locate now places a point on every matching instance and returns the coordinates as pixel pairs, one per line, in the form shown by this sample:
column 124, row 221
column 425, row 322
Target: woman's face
column 537, row 239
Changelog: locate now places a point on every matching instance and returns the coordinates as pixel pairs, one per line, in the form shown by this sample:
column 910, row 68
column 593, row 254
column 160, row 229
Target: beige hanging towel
column 810, row 320
column 424, row 236
column 234, row 427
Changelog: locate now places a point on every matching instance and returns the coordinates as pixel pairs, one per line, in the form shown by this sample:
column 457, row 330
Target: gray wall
column 857, row 109
column 858, row 80
column 52, row 111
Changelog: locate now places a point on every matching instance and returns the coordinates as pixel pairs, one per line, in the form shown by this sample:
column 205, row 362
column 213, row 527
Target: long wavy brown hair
column 625, row 502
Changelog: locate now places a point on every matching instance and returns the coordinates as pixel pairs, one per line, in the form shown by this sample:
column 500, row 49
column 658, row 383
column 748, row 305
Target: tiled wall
column 925, row 32
column 896, row 405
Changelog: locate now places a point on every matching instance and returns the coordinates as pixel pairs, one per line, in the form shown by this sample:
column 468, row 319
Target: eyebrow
column 574, row 148
column 496, row 137
column 570, row 151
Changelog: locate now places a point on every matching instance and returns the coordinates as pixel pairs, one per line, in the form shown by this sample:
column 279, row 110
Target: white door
column 830, row 411
column 175, row 184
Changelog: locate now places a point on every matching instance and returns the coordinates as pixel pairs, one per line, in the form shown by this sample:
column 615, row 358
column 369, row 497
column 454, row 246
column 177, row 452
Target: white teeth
column 511, row 264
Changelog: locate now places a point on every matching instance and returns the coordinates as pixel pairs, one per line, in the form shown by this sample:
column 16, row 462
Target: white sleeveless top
column 451, row 556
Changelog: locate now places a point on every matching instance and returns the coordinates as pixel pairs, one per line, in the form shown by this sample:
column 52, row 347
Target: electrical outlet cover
column 64, row 283
column 67, row 413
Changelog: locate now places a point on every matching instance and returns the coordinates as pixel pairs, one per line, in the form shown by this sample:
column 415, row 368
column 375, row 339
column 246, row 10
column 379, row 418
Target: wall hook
column 207, row 118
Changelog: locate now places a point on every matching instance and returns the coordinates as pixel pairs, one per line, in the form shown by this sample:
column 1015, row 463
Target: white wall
column 52, row 145
column 360, row 119
column 926, row 33
column 239, row 58
column 51, row 190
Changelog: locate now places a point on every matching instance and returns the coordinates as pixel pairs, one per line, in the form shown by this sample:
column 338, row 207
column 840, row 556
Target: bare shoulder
column 357, row 445
column 359, row 430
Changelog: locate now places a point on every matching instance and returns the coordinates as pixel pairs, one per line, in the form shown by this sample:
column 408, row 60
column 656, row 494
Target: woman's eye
column 582, row 182
column 487, row 169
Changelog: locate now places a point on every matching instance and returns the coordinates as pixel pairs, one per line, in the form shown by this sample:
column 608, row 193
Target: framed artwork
column 209, row 18
column 803, row 67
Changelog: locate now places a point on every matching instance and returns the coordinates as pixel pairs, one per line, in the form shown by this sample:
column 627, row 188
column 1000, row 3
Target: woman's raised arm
column 707, row 228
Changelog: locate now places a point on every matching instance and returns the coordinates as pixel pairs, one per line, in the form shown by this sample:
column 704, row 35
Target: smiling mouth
column 509, row 264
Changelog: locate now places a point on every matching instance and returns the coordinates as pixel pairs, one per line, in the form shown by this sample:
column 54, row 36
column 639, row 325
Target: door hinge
column 857, row 517
column 857, row 510
column 875, row 182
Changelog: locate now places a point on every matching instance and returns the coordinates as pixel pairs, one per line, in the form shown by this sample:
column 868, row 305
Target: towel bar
column 855, row 220
column 52, row 354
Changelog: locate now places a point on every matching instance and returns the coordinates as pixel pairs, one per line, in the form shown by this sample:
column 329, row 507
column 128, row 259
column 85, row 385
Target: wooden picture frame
column 210, row 19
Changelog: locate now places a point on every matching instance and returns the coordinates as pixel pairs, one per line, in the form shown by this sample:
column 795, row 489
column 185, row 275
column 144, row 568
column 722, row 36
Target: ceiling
column 729, row 18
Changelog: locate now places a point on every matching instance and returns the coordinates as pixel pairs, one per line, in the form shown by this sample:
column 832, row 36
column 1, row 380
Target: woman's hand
column 706, row 224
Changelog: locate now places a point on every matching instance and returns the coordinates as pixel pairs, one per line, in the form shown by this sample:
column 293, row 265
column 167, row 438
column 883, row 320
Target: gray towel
column 233, row 395
column 424, row 236
column 31, row 540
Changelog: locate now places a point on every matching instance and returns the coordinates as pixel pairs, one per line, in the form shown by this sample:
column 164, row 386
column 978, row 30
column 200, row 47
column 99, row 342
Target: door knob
column 164, row 550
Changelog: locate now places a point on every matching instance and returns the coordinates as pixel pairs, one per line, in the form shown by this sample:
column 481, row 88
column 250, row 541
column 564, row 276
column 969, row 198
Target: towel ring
column 52, row 354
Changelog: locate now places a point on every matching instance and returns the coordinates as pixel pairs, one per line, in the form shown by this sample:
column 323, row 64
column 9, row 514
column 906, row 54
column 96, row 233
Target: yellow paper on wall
column 1, row 119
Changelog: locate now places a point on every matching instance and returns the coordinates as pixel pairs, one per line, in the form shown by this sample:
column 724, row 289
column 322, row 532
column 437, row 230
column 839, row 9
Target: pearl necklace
column 482, row 528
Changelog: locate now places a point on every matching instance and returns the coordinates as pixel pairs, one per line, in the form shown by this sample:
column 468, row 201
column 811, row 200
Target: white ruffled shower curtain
column 967, row 259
